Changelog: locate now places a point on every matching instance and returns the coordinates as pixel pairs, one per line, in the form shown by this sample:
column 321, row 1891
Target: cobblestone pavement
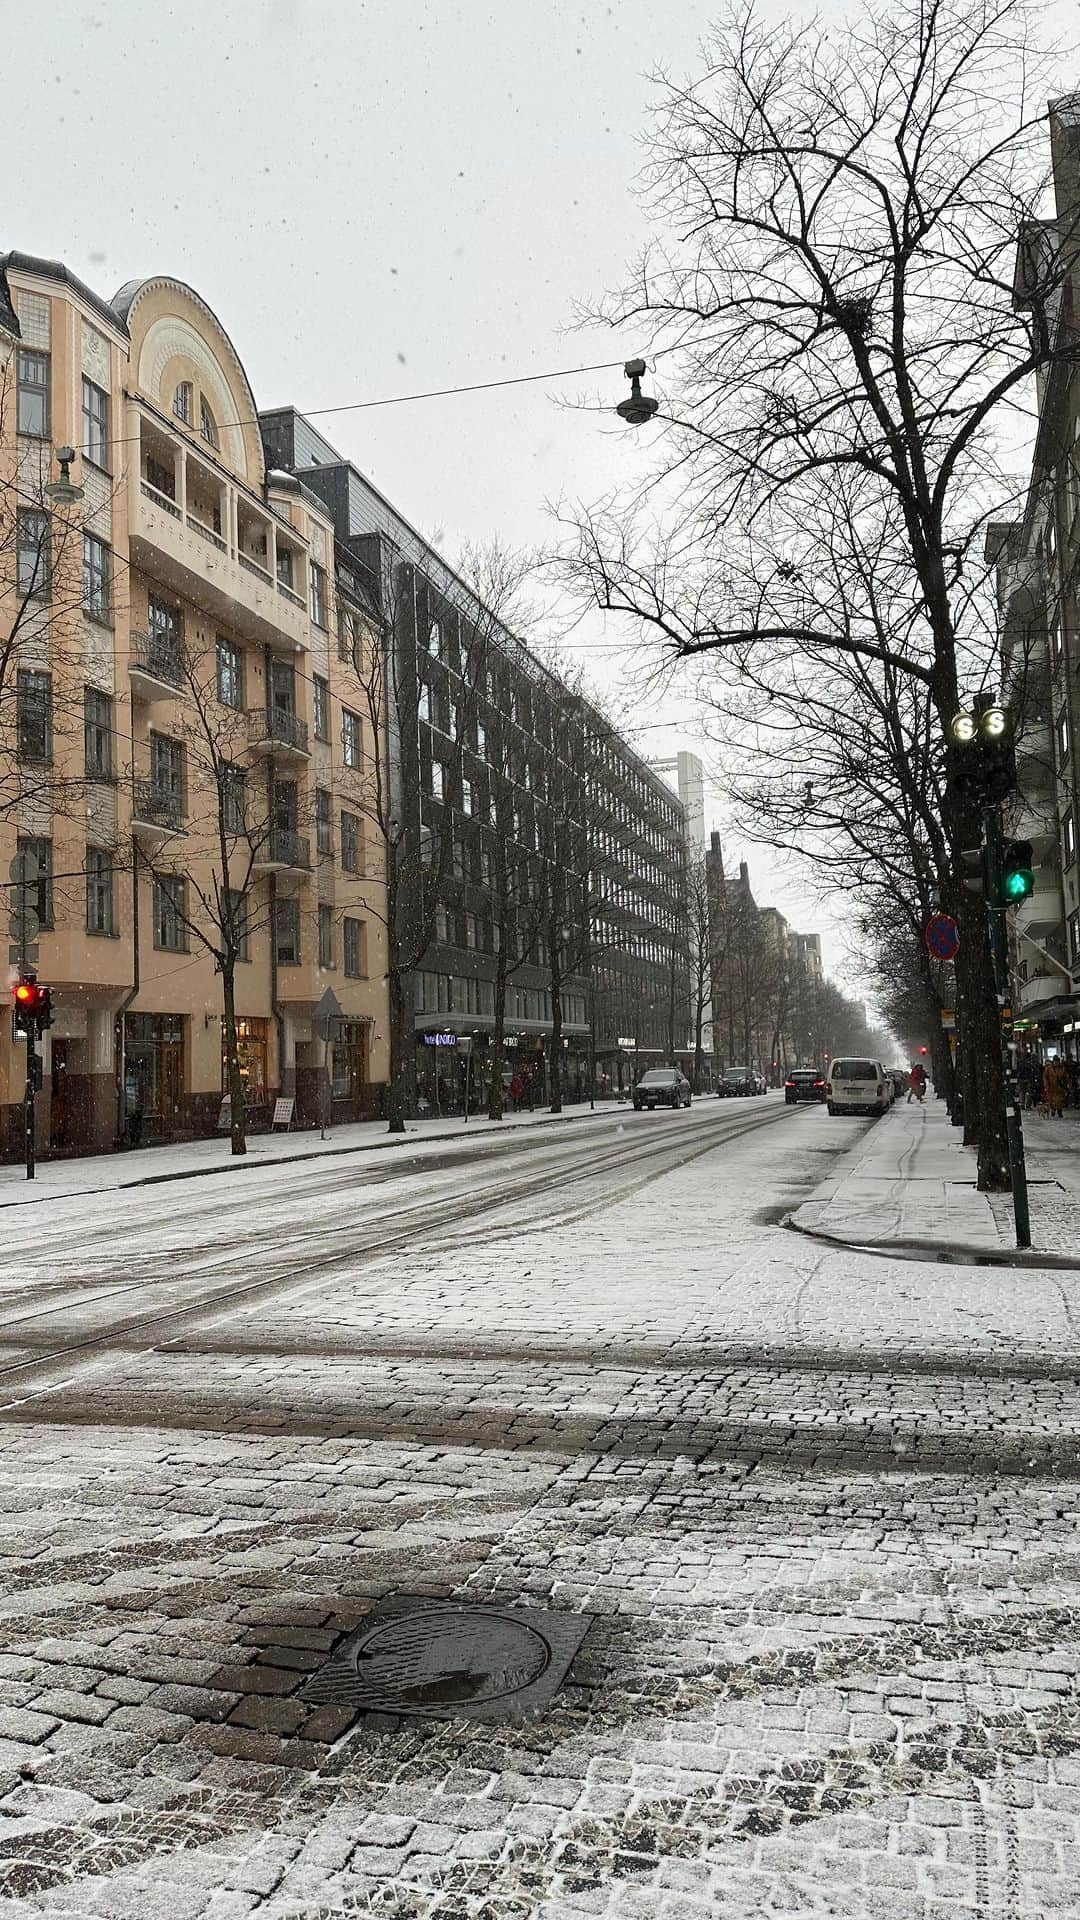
column 822, row 1508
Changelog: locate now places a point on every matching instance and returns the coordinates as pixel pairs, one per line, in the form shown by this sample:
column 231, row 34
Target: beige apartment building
column 186, row 741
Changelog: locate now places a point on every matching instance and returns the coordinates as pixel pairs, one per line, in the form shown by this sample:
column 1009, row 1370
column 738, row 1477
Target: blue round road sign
column 943, row 937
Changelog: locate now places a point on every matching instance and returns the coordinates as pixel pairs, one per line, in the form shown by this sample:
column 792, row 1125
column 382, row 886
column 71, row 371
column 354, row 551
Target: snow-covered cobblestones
column 823, row 1508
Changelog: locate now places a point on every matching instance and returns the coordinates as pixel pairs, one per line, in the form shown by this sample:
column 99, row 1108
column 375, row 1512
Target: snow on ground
column 822, row 1506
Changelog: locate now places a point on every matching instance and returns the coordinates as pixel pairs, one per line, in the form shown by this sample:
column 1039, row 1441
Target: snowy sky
column 377, row 197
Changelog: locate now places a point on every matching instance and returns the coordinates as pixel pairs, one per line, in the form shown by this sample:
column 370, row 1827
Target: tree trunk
column 980, row 1042
column 555, row 1051
column 699, row 1050
column 238, row 1117
column 397, row 1086
column 497, row 1050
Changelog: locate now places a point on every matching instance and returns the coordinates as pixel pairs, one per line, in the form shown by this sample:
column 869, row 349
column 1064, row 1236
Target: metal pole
column 468, row 1081
column 28, row 1103
column 1013, row 1124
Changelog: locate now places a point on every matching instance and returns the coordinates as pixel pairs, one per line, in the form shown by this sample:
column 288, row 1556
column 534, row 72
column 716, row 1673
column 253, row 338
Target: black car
column 804, row 1083
column 662, row 1087
column 737, row 1081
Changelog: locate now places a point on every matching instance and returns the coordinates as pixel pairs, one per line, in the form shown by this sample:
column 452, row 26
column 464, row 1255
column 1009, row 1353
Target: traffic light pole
column 1013, row 1122
column 28, row 1102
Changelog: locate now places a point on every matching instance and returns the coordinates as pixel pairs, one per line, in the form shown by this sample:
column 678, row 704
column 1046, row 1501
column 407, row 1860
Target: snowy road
column 821, row 1507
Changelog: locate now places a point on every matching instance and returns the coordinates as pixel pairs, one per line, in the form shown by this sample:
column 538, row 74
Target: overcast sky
column 376, row 197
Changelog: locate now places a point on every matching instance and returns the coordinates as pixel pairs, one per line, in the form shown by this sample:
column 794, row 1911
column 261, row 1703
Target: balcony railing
column 160, row 499
column 282, row 728
column 252, row 566
column 296, row 598
column 284, row 848
column 207, row 533
column 156, row 656
column 156, row 806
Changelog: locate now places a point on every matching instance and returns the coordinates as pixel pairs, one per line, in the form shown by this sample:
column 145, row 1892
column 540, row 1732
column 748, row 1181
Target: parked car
column 662, row 1087
column 737, row 1080
column 856, row 1086
column 804, row 1083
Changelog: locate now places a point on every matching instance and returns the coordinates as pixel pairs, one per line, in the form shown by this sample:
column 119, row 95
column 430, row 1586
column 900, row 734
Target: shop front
column 253, row 1049
column 155, row 1106
column 354, row 1097
column 454, row 1070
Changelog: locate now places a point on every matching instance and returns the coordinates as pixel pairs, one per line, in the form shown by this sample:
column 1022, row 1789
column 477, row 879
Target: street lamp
column 64, row 491
column 641, row 406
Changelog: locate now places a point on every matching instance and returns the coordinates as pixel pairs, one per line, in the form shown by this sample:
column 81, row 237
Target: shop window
column 349, row 1061
column 154, row 1065
column 251, row 1048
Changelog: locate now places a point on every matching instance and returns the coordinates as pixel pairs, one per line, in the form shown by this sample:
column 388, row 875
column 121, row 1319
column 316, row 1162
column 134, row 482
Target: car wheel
column 830, row 1106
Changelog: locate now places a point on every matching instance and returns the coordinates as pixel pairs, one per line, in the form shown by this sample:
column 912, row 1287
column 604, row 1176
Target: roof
column 56, row 270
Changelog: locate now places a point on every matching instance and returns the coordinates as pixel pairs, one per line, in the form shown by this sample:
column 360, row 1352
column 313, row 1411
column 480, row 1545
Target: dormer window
column 181, row 405
column 207, row 423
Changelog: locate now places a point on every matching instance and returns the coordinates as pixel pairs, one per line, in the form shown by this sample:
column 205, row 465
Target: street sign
column 942, row 936
column 23, row 870
column 328, row 1013
column 24, row 924
column 948, row 1019
column 20, row 956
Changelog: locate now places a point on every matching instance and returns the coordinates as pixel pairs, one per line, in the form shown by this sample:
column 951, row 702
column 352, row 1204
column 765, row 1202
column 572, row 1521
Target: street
column 818, row 1505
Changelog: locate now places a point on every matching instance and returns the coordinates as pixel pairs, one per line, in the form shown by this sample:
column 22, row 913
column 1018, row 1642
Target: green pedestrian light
column 1017, row 872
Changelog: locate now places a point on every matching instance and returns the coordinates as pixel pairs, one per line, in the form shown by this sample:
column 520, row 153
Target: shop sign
column 623, row 1042
column 440, row 1039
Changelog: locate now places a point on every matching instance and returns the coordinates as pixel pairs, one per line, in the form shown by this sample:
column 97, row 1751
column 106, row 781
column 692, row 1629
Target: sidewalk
column 909, row 1186
column 145, row 1166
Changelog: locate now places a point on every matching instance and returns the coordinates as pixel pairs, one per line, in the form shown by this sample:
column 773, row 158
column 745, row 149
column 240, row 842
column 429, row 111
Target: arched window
column 181, row 405
column 207, row 423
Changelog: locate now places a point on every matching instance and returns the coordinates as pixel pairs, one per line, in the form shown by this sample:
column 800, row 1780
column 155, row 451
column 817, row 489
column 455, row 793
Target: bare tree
column 838, row 291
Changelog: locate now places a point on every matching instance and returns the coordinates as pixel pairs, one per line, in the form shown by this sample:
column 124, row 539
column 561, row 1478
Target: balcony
column 155, row 667
column 156, row 814
column 200, row 534
column 275, row 731
column 283, row 851
column 1035, row 994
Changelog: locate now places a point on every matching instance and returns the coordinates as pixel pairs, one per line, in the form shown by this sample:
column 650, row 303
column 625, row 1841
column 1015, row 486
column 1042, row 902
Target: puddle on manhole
column 447, row 1660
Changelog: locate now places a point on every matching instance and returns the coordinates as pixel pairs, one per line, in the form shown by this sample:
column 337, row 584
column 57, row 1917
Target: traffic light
column 1017, row 874
column 973, row 872
column 983, row 755
column 32, row 1006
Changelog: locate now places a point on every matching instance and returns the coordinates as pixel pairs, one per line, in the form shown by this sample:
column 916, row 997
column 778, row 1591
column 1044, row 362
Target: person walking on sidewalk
column 916, row 1083
column 1055, row 1087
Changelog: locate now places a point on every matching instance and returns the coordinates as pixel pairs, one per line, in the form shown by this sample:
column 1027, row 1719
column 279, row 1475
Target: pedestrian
column 916, row 1083
column 1036, row 1082
column 1055, row 1087
column 517, row 1088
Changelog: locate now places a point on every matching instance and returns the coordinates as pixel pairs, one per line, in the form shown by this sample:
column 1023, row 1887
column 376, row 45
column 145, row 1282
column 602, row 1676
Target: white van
column 854, row 1085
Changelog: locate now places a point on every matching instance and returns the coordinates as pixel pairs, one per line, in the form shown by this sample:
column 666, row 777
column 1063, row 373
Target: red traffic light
column 924, row 1049
column 31, row 1003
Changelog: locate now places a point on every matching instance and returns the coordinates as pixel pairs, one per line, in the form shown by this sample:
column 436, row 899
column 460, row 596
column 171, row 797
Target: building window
column 438, row 779
column 33, row 705
column 470, row 931
column 97, row 733
column 1057, row 649
column 99, row 891
column 167, row 767
column 1068, row 828
column 251, row 1055
column 97, row 573
column 182, row 402
column 318, row 595
column 355, row 956
column 285, row 567
column 170, row 908
column 442, row 924
column 230, row 673
column 234, row 921
column 32, row 411
column 324, row 838
column 163, row 621
column 1064, row 736
column 234, row 799
column 434, row 640
column 207, row 423
column 466, row 796
column 350, row 842
column 33, row 560
column 350, row 738
column 481, row 739
column 161, row 478
column 326, row 934
column 41, row 897
column 423, row 704
column 1074, row 938
column 320, row 708
column 95, row 419
column 287, row 933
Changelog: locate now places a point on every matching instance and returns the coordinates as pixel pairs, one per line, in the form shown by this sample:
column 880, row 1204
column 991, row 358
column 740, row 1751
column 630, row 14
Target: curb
column 945, row 1254
column 242, row 1164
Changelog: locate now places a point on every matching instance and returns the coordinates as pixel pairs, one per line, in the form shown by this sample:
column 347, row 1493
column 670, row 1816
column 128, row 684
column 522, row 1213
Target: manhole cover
column 446, row 1660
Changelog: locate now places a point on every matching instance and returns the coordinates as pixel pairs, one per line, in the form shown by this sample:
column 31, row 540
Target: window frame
column 97, row 734
column 1063, row 732
column 230, row 655
column 98, row 867
column 324, row 821
column 95, row 424
column 39, row 389
column 354, row 959
column 237, row 904
column 234, row 798
column 170, row 913
column 33, row 690
column 320, row 707
column 208, row 426
column 287, row 952
column 352, row 741
column 326, row 936
column 1068, row 835
column 97, row 579
column 350, row 841
column 42, row 898
column 319, row 599
column 185, row 413
column 32, row 587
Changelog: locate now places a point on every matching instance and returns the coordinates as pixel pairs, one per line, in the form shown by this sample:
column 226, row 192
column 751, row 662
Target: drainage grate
column 446, row 1660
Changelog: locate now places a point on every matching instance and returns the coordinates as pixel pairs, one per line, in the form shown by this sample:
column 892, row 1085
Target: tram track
column 389, row 1232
